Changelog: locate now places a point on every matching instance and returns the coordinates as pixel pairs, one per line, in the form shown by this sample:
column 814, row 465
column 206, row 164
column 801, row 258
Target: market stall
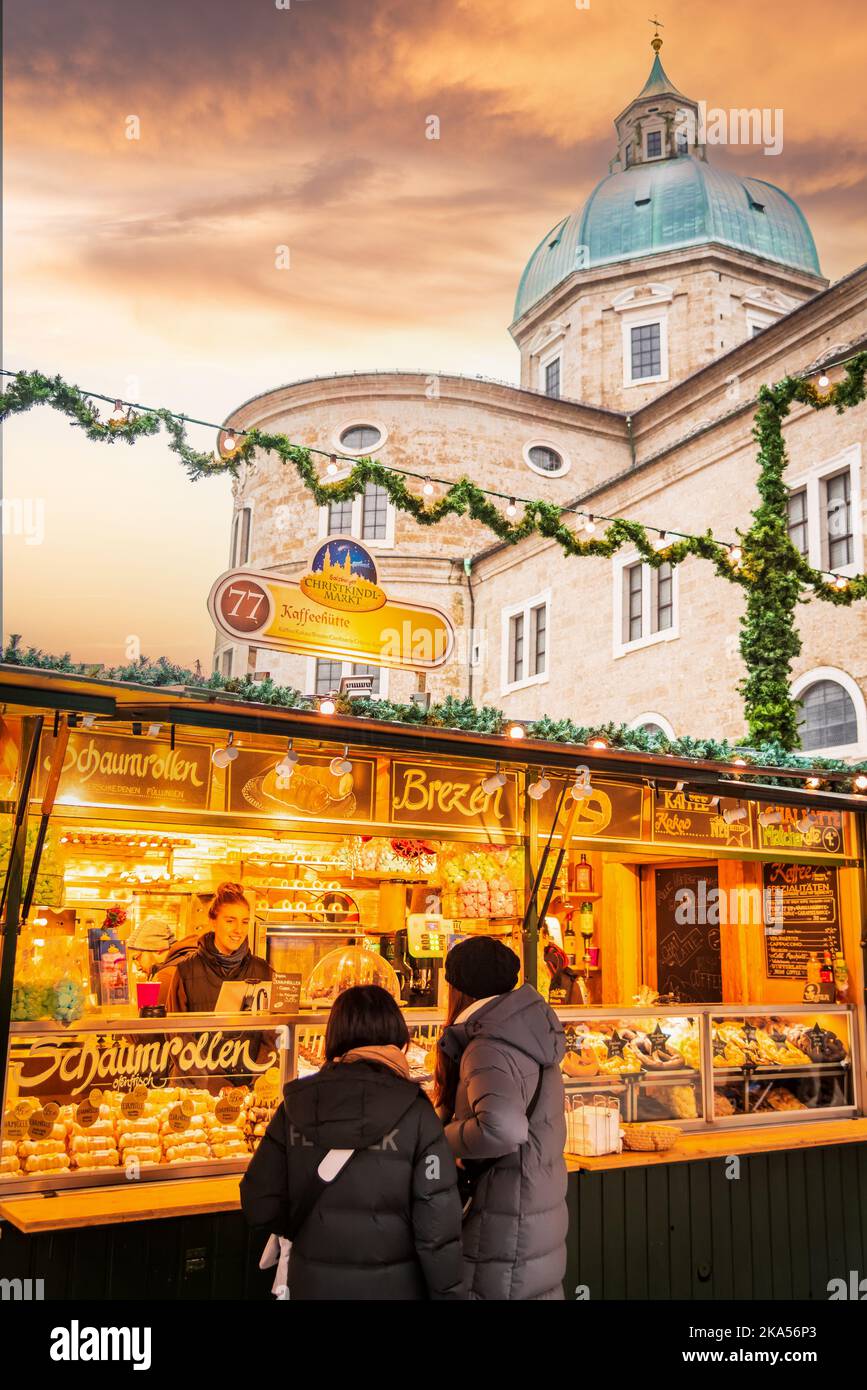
column 697, row 927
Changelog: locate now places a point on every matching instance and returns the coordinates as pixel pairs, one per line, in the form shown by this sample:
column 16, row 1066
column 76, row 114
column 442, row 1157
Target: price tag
column 132, row 1106
column 267, row 1086
column 87, row 1112
column 41, row 1122
column 227, row 1109
column 15, row 1125
column 179, row 1117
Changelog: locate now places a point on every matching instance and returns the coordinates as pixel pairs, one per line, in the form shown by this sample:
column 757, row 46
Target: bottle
column 826, row 972
column 841, row 978
column 570, row 941
column 814, row 970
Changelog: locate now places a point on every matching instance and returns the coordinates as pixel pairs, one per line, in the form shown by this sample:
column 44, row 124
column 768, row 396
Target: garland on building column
column 765, row 562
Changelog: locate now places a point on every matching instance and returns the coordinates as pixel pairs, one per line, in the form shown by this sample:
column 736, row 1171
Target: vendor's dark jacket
column 196, row 983
column 389, row 1228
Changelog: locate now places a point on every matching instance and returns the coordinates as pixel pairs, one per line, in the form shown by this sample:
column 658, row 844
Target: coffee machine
column 413, row 941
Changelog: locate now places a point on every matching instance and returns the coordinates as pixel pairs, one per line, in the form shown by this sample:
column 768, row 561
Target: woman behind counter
column 223, row 953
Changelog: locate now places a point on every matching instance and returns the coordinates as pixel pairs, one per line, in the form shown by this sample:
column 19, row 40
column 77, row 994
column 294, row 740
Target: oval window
column 545, row 459
column 357, row 437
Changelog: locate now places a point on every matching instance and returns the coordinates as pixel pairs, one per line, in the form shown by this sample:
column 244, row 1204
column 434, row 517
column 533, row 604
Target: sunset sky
column 146, row 267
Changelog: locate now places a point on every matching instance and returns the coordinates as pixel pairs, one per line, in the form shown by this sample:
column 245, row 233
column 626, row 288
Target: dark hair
column 446, row 1071
column 364, row 1016
column 227, row 893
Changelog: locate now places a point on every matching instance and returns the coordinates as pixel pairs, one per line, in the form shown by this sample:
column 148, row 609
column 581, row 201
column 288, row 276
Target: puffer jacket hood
column 348, row 1105
column 522, row 1019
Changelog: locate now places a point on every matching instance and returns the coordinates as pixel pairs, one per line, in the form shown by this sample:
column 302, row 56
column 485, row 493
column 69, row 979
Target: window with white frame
column 369, row 517
column 645, row 351
column 824, row 513
column 241, row 526
column 327, row 675
column 525, row 642
column 552, row 377
column 645, row 604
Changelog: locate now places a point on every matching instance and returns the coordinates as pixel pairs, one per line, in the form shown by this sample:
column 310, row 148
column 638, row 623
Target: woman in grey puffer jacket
column 499, row 1043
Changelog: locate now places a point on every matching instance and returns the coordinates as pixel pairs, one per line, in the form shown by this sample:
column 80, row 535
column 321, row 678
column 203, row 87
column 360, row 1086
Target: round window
column 543, row 459
column 358, row 437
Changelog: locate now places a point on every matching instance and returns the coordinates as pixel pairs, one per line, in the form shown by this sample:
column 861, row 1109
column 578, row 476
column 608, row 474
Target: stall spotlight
column 428, row 488
column 581, row 788
column 537, row 789
column 806, row 823
column 860, row 783
column 679, row 786
column 221, row 757
column 341, row 765
column 770, row 817
column 327, row 705
column 331, row 468
column 286, row 765
column 734, row 813
column 494, row 781
column 516, row 731
column 88, row 721
column 154, row 730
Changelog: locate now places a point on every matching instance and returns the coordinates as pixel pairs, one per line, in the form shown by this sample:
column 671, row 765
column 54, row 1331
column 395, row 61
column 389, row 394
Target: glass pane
column 340, row 519
column 374, row 515
column 838, row 520
column 546, row 459
column 634, row 596
column 797, row 519
column 363, row 669
column 828, row 718
column 650, row 1065
column 664, row 601
column 539, row 617
column 516, row 647
column 360, row 437
column 654, row 144
column 552, row 378
column 646, row 351
column 328, row 675
column 780, row 1064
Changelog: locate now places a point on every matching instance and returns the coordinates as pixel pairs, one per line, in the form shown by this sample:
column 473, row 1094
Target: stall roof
column 30, row 690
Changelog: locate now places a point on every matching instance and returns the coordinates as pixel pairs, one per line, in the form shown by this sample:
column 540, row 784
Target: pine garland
column 451, row 713
column 770, row 570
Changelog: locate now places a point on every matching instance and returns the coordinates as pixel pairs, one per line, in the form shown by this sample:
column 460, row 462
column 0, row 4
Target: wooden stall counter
column 722, row 1143
column 111, row 1206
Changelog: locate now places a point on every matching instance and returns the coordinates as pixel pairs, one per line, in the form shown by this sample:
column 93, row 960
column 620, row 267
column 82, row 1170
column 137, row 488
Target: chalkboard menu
column 802, row 916
column 687, row 944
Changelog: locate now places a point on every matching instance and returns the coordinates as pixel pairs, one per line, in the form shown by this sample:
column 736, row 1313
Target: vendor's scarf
column 227, row 966
column 388, row 1056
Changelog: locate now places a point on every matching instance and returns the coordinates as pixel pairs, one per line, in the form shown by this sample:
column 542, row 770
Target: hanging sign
column 312, row 792
column 103, row 769
column 822, row 831
column 336, row 610
column 696, row 819
column 612, row 811
column 439, row 794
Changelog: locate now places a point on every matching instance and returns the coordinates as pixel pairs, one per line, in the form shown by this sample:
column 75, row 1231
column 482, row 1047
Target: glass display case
column 715, row 1064
column 138, row 1099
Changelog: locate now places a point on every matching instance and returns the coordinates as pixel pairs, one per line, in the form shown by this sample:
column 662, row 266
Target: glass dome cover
column 348, row 966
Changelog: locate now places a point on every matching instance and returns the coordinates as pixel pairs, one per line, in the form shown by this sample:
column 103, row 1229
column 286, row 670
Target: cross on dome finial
column 656, row 41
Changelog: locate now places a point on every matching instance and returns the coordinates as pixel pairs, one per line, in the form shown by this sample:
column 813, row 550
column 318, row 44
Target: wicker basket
column 649, row 1138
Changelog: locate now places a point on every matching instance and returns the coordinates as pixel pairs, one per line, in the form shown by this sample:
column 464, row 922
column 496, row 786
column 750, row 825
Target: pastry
column 28, row 1147
column 186, row 1153
column 104, row 1158
column 722, row 1105
column 91, row 1143
column 46, row 1163
column 10, row 1163
column 231, row 1149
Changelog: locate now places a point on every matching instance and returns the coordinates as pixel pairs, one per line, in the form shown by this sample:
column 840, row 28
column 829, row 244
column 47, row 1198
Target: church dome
column 664, row 205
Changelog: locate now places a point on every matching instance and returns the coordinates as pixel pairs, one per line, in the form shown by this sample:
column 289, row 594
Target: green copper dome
column 662, row 206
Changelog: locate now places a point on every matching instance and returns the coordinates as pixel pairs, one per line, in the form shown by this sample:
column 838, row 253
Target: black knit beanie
column 481, row 966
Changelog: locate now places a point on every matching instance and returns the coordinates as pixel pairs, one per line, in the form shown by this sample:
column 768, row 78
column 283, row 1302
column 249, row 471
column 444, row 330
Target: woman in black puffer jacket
column 389, row 1226
column 499, row 1057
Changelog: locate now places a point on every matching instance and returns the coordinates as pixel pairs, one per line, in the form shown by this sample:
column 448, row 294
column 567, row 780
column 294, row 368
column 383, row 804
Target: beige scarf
column 389, row 1056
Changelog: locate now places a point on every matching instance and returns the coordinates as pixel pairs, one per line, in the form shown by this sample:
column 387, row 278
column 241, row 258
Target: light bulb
column 735, row 554
column 598, row 743
column 428, row 488
column 341, row 765
column 590, row 524
column 860, row 783
column 516, row 731
column 327, row 705
column 813, row 783
column 841, row 582
column 331, row 469
column 118, row 415
column 231, row 750
column 229, row 441
column 824, row 381
column 537, row 789
column 512, row 509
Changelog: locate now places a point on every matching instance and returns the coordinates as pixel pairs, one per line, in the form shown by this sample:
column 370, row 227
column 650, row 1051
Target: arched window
column 358, row 437
column 652, row 723
column 828, row 717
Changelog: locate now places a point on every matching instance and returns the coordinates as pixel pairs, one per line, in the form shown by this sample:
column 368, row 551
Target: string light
column 824, row 381
column 735, row 555
column 229, row 441
column 813, row 783
column 118, row 415
column 841, row 582
column 331, row 469
column 589, row 524
column 598, row 743
column 428, row 488
column 327, row 705
column 516, row 731
column 860, row 783
column 512, row 509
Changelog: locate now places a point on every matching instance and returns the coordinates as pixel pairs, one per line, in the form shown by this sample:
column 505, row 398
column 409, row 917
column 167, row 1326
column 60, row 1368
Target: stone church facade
column 646, row 323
